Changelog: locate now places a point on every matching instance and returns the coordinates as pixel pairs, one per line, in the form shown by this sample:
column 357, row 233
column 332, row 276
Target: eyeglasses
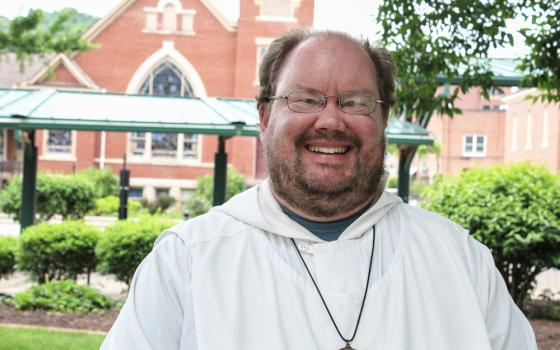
column 309, row 101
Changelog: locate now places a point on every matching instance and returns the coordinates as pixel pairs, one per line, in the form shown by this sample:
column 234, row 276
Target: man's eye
column 351, row 103
column 311, row 101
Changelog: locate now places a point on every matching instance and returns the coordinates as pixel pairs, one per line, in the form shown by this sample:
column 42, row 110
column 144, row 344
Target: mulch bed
column 92, row 321
column 547, row 332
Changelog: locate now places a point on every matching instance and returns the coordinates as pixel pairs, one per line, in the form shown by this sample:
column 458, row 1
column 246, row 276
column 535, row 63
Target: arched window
column 165, row 80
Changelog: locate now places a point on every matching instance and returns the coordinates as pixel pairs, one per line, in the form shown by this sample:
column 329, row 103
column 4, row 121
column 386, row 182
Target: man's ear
column 264, row 116
column 385, row 115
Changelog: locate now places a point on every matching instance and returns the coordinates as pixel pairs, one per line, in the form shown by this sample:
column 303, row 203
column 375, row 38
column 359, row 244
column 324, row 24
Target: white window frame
column 178, row 156
column 473, row 152
column 261, row 43
column 66, row 156
column 289, row 18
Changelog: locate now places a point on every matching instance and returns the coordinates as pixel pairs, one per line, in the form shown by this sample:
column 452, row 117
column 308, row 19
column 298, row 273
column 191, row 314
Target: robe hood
column 258, row 207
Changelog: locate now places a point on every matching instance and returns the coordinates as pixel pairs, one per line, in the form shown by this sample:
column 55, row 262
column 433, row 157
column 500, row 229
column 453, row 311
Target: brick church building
column 172, row 48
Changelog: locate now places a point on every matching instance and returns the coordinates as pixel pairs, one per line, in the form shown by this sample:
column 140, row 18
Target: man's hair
column 280, row 48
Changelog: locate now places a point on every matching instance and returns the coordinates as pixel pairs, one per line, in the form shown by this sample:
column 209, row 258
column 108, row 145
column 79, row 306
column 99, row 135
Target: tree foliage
column 435, row 41
column 62, row 296
column 8, row 247
column 58, row 251
column 26, row 35
column 201, row 200
column 542, row 64
column 69, row 196
column 513, row 210
column 103, row 180
column 125, row 244
column 430, row 40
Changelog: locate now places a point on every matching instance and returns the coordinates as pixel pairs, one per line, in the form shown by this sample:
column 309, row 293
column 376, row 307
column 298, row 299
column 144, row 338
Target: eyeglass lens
column 353, row 102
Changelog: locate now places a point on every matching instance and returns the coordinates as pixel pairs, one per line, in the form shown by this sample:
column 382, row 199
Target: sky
column 355, row 16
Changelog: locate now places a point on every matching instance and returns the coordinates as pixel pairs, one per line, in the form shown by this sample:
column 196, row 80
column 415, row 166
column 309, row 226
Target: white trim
column 103, row 146
column 260, row 42
column 73, row 68
column 5, row 145
column 514, row 133
column 474, row 153
column 282, row 19
column 529, row 135
column 520, row 95
column 157, row 161
column 105, row 21
column 228, row 24
column 157, row 182
column 45, row 155
column 163, row 3
column 271, row 18
column 167, row 52
column 544, row 142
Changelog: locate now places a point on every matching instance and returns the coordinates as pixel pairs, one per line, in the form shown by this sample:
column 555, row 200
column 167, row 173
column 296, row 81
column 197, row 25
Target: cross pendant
column 347, row 347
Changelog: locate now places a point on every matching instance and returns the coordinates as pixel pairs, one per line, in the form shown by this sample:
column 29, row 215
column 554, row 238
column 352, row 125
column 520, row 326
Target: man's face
column 324, row 165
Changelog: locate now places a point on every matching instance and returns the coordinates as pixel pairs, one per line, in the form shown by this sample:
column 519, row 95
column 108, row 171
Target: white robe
column 231, row 279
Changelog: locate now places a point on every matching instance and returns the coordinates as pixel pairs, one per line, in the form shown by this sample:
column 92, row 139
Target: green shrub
column 8, row 246
column 58, row 251
column 514, row 211
column 160, row 205
column 125, row 244
column 202, row 198
column 110, row 206
column 69, row 196
column 393, row 182
column 104, row 181
column 62, row 296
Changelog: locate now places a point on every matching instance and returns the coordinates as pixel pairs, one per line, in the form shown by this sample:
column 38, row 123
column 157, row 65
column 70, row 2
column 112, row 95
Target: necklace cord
column 323, row 299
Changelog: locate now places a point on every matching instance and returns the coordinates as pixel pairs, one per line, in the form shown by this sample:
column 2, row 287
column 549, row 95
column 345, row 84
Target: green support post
column 220, row 173
column 406, row 155
column 28, row 197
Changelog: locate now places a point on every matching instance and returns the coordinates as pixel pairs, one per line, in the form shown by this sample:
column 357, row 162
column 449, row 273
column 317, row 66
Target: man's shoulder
column 427, row 223
column 424, row 216
column 207, row 227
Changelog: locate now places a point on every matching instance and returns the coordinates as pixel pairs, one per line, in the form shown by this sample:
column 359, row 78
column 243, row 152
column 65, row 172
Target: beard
column 324, row 196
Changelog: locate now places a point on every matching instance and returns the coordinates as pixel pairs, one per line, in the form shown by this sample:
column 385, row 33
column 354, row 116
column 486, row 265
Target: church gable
column 63, row 72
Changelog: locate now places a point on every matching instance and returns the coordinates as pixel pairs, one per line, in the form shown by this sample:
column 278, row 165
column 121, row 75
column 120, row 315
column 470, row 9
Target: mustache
column 301, row 140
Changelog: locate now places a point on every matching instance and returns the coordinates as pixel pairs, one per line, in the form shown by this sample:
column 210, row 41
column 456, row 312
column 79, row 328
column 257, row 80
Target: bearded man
column 319, row 256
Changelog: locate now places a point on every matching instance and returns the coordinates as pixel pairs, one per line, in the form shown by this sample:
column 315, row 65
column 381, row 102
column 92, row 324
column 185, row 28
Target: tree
column 27, row 36
column 434, row 42
column 542, row 65
column 201, row 200
column 511, row 209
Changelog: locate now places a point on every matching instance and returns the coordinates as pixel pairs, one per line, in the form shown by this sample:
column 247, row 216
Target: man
column 319, row 257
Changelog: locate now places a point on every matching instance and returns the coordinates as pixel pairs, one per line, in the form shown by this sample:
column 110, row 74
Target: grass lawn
column 16, row 338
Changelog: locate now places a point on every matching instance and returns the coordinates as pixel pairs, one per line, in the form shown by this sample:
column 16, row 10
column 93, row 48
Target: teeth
column 328, row 150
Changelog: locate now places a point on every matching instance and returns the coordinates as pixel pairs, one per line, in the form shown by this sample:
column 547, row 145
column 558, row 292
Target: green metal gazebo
column 29, row 110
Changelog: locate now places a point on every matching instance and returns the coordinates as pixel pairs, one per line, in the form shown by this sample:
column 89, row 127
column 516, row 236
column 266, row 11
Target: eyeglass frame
column 325, row 99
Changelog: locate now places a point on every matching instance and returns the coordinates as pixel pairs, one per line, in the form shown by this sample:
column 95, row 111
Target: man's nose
column 331, row 118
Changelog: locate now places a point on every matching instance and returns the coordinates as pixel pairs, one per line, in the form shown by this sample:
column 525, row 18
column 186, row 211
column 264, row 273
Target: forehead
column 330, row 64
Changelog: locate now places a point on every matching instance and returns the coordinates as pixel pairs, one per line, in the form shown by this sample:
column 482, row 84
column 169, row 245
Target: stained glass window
column 166, row 80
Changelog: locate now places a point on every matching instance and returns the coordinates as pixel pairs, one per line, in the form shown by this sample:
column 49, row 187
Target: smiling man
column 319, row 256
